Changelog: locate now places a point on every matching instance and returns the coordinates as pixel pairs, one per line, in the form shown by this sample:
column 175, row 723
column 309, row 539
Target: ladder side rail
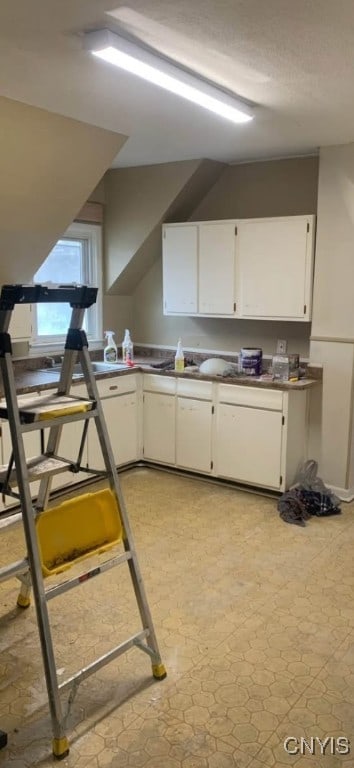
column 64, row 386
column 70, row 354
column 5, row 317
column 32, row 548
column 6, row 490
column 128, row 540
column 82, row 445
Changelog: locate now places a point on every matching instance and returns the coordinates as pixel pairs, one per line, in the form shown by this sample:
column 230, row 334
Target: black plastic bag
column 319, row 504
column 309, row 496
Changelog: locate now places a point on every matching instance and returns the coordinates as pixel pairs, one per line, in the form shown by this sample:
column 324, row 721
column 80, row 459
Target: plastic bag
column 317, row 498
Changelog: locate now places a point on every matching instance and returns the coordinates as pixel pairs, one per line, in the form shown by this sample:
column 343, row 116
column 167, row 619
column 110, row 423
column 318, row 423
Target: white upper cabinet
column 180, row 269
column 199, row 268
column 216, row 265
column 274, row 267
column 249, row 268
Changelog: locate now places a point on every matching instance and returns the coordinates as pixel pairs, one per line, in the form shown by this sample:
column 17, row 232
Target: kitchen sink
column 97, row 367
column 100, row 367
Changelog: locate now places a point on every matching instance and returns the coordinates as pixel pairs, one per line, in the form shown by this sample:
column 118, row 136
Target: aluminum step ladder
column 26, row 413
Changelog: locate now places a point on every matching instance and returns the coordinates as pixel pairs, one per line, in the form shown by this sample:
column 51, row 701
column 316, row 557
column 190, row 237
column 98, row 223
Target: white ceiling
column 293, row 58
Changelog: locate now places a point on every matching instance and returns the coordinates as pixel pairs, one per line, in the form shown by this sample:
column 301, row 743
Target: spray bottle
column 127, row 348
column 179, row 357
column 110, row 354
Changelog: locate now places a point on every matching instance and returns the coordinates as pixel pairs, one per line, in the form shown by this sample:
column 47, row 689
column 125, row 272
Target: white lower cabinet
column 194, row 419
column 69, row 447
column 178, row 422
column 159, row 427
column 256, row 436
column 260, row 435
column 119, row 399
column 121, row 417
column 251, row 435
column 124, row 432
column 248, row 445
column 193, row 438
column 159, row 422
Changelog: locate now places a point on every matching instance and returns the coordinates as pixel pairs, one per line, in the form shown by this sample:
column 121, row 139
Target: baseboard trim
column 10, row 518
column 344, row 494
column 13, row 515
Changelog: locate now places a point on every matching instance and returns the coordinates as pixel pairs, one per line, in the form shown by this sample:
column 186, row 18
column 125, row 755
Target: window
column 76, row 258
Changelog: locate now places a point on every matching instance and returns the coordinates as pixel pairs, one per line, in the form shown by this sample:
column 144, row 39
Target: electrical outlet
column 282, row 346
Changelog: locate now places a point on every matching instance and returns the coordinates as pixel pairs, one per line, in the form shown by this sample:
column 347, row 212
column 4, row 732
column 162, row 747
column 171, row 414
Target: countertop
column 31, row 380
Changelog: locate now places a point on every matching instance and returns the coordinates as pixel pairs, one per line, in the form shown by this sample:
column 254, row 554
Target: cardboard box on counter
column 286, row 367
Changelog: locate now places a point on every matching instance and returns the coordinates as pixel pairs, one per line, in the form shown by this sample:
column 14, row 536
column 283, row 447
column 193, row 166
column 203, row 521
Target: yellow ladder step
column 76, row 529
column 44, row 407
column 38, row 467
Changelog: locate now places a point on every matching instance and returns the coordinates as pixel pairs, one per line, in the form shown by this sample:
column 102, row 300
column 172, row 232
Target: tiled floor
column 255, row 621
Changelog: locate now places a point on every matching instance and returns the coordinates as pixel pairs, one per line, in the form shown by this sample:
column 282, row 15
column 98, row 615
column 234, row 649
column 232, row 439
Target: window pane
column 62, row 265
column 76, row 258
column 53, row 319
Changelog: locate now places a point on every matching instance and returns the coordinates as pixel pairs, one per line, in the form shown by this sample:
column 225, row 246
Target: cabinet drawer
column 116, row 385
column 251, row 396
column 156, row 383
column 202, row 390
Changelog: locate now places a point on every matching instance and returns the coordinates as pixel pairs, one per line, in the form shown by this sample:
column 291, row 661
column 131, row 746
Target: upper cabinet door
column 274, row 267
column 180, row 269
column 216, row 268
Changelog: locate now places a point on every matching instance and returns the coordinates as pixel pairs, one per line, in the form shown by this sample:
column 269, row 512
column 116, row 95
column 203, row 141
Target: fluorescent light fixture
column 142, row 62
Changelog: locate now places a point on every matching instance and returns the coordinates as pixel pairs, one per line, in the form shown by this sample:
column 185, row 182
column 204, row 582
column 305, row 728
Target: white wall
column 273, row 188
column 49, row 166
column 332, row 340
column 150, row 326
column 331, row 428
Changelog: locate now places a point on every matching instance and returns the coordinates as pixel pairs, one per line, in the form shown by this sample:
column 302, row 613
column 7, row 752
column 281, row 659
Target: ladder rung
column 83, row 577
column 8, row 571
column 48, row 407
column 103, row 660
column 58, row 421
column 38, row 467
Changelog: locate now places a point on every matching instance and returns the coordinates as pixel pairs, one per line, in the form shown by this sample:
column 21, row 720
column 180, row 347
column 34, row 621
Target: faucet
column 49, row 362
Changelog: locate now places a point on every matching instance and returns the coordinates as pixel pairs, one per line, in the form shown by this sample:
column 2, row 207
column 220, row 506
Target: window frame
column 92, row 234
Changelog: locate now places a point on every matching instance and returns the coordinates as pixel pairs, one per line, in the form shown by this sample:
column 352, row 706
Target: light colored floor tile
column 255, row 624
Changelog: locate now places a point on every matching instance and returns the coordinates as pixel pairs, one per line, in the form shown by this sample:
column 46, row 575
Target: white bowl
column 214, row 366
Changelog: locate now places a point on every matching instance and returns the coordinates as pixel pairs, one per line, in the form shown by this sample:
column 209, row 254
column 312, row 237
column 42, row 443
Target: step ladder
column 90, row 523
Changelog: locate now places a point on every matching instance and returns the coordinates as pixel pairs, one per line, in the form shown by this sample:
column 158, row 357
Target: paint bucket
column 250, row 361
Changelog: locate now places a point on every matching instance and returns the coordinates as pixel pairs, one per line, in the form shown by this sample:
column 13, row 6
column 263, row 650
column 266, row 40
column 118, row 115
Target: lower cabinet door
column 123, row 430
column 121, row 417
column 159, row 427
column 69, row 446
column 248, row 445
column 193, row 438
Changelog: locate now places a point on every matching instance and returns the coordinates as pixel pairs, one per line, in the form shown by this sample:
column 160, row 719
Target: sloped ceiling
column 138, row 200
column 49, row 166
